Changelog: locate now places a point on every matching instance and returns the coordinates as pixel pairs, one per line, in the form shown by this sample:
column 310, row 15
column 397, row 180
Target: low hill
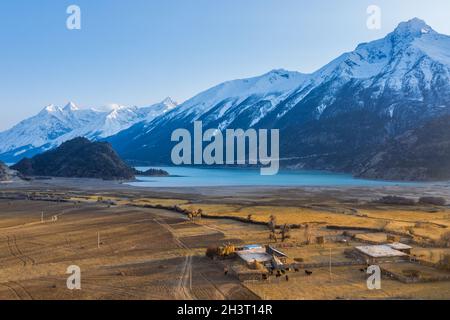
column 78, row 158
column 6, row 174
column 152, row 173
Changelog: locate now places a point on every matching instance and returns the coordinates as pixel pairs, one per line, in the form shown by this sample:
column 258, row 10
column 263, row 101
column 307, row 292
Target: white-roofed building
column 254, row 252
column 380, row 253
column 400, row 247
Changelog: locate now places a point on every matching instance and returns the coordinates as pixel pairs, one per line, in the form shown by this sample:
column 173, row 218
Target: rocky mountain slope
column 332, row 119
column 420, row 154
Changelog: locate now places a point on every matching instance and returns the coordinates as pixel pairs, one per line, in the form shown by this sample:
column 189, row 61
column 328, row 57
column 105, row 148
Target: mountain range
column 55, row 125
column 357, row 109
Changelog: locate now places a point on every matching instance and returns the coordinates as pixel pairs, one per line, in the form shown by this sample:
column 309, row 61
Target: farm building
column 400, row 247
column 267, row 256
column 257, row 261
column 276, row 253
column 380, row 254
column 253, row 253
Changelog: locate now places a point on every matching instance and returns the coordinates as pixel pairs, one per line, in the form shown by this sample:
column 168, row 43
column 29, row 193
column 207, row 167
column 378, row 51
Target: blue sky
column 138, row 52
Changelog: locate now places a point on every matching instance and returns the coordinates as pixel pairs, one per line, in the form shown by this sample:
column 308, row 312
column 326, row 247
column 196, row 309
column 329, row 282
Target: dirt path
column 183, row 291
column 18, row 290
column 17, row 253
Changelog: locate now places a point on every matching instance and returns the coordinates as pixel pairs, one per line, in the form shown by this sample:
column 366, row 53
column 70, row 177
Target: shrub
column 445, row 239
column 272, row 223
column 397, row 200
column 444, row 263
column 436, row 201
column 211, row 252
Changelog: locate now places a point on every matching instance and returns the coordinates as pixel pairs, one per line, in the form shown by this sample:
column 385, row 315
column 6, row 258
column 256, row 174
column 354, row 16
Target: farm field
column 136, row 244
column 138, row 256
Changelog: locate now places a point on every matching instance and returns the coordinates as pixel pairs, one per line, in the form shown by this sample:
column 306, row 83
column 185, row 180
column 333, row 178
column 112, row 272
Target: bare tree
column 272, row 223
column 273, row 236
column 285, row 232
column 308, row 234
column 445, row 238
column 272, row 227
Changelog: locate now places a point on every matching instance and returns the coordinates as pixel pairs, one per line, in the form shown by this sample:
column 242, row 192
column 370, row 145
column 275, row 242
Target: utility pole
column 190, row 277
column 42, row 217
column 98, row 240
column 330, row 264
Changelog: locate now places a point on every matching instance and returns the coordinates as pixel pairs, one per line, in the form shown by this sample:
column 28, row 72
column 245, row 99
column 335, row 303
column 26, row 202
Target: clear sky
column 137, row 52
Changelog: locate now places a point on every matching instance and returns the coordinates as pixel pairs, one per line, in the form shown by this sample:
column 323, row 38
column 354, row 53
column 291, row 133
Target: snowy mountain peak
column 70, row 107
column 169, row 102
column 413, row 43
column 410, row 31
column 279, row 72
column 51, row 108
column 117, row 107
column 158, row 109
column 414, row 27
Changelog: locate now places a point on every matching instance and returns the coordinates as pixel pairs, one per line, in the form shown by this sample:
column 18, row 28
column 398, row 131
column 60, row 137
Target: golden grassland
column 421, row 222
column 144, row 253
column 120, row 222
column 407, row 221
column 345, row 283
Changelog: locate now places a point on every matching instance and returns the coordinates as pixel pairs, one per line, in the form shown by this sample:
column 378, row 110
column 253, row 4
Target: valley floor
column 148, row 251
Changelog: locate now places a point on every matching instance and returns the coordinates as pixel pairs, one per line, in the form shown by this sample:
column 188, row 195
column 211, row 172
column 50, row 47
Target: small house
column 380, row 254
column 400, row 247
column 253, row 253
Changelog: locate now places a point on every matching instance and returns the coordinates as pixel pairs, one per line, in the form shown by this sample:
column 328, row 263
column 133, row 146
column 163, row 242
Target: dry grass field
column 345, row 283
column 143, row 254
column 149, row 251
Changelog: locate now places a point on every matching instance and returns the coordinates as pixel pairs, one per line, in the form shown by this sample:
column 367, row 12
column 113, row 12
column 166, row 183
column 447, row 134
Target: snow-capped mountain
column 224, row 98
column 330, row 119
column 55, row 125
column 336, row 118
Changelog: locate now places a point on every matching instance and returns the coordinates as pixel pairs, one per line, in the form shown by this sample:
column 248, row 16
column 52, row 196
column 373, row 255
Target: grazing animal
column 308, row 273
column 287, row 278
column 296, row 270
column 283, row 271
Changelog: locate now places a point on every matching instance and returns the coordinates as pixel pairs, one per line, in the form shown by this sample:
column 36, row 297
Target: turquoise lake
column 209, row 177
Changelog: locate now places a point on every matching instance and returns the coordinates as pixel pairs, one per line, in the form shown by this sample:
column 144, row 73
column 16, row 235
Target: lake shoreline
column 122, row 187
column 235, row 177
